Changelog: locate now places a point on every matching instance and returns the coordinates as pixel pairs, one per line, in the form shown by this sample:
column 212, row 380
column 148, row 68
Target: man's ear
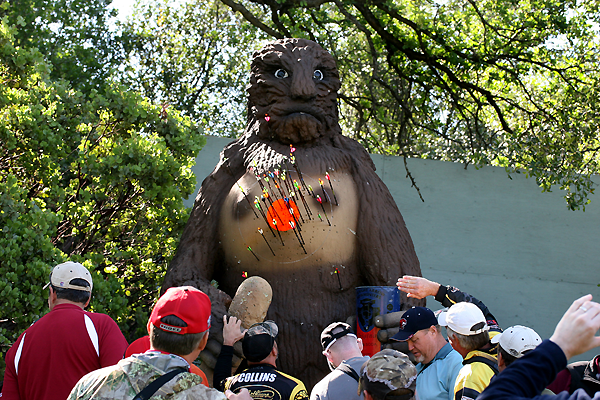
column 275, row 350
column 360, row 344
column 203, row 342
column 500, row 361
column 327, row 355
column 51, row 298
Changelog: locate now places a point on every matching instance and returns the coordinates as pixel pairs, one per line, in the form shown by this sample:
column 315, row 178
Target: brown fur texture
column 367, row 242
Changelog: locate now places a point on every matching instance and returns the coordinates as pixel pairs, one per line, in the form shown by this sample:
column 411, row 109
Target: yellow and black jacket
column 479, row 366
column 264, row 381
column 478, row 369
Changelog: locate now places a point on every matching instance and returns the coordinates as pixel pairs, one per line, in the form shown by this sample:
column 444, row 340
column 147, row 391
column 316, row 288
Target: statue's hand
column 388, row 325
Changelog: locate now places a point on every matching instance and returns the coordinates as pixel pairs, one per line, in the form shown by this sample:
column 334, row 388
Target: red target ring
column 280, row 212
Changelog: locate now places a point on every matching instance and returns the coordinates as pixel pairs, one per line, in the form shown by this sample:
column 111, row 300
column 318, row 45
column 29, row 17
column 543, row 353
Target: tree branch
column 431, row 61
column 252, row 19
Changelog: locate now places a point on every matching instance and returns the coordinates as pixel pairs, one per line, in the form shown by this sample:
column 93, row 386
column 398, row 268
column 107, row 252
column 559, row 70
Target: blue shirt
column 436, row 379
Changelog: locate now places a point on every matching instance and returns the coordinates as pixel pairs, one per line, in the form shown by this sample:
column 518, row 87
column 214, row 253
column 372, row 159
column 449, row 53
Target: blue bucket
column 372, row 301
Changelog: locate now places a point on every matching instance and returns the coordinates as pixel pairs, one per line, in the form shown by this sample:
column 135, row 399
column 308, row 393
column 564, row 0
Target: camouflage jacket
column 127, row 378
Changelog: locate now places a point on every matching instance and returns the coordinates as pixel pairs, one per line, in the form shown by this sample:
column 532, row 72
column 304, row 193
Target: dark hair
column 77, row 296
column 398, row 394
column 508, row 359
column 174, row 342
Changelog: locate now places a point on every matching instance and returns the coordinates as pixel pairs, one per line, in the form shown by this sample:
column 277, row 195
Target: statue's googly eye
column 281, row 74
column 318, row 74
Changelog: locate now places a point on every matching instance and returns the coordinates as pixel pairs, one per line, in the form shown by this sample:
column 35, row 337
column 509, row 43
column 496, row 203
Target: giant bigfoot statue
column 297, row 203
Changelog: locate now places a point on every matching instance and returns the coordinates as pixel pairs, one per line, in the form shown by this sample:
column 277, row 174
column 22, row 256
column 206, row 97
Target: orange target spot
column 280, row 212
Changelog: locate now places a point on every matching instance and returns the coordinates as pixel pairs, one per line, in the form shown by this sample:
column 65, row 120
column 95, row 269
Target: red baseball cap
column 187, row 303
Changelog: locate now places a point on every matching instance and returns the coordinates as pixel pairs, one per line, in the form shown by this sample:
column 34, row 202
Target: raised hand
column 232, row 330
column 576, row 330
column 417, row 287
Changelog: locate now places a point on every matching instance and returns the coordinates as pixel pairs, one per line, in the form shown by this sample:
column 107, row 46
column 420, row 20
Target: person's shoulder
column 481, row 368
column 472, row 379
column 446, row 359
column 290, row 377
column 101, row 381
column 356, row 362
column 138, row 346
column 100, row 317
column 475, row 374
column 114, row 371
column 465, row 372
column 190, row 386
column 447, row 354
column 299, row 391
column 452, row 364
column 40, row 323
column 322, row 386
column 453, row 358
column 449, row 366
column 199, row 392
column 331, row 381
column 107, row 327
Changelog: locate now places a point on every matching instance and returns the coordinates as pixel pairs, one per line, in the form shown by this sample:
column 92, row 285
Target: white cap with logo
column 64, row 273
column 517, row 339
column 464, row 318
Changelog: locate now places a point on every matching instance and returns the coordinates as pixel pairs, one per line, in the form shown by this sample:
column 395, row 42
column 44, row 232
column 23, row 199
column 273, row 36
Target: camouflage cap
column 388, row 371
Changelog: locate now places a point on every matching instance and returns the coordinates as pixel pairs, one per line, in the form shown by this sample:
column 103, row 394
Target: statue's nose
column 303, row 86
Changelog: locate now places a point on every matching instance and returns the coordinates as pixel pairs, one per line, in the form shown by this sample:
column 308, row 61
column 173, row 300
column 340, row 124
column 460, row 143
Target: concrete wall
column 520, row 251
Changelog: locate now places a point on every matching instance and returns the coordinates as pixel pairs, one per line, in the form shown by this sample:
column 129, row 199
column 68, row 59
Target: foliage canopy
column 96, row 178
column 74, row 36
column 500, row 82
column 194, row 57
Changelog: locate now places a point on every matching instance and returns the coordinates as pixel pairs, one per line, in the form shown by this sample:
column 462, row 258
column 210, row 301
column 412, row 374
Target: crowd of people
column 74, row 354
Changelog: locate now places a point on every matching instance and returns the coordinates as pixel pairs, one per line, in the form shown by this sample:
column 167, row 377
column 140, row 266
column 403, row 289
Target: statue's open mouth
column 305, row 114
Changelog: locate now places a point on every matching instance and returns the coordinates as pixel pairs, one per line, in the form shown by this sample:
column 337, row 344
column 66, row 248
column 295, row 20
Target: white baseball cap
column 62, row 275
column 517, row 339
column 464, row 318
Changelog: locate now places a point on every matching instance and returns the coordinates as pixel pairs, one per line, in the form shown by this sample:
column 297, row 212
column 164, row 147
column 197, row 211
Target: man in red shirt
column 50, row 357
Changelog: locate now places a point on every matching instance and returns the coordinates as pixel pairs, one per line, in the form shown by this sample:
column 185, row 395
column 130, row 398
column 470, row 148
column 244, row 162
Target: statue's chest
column 291, row 222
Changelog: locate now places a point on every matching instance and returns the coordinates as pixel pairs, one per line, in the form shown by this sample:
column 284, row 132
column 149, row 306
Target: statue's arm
column 386, row 250
column 198, row 254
